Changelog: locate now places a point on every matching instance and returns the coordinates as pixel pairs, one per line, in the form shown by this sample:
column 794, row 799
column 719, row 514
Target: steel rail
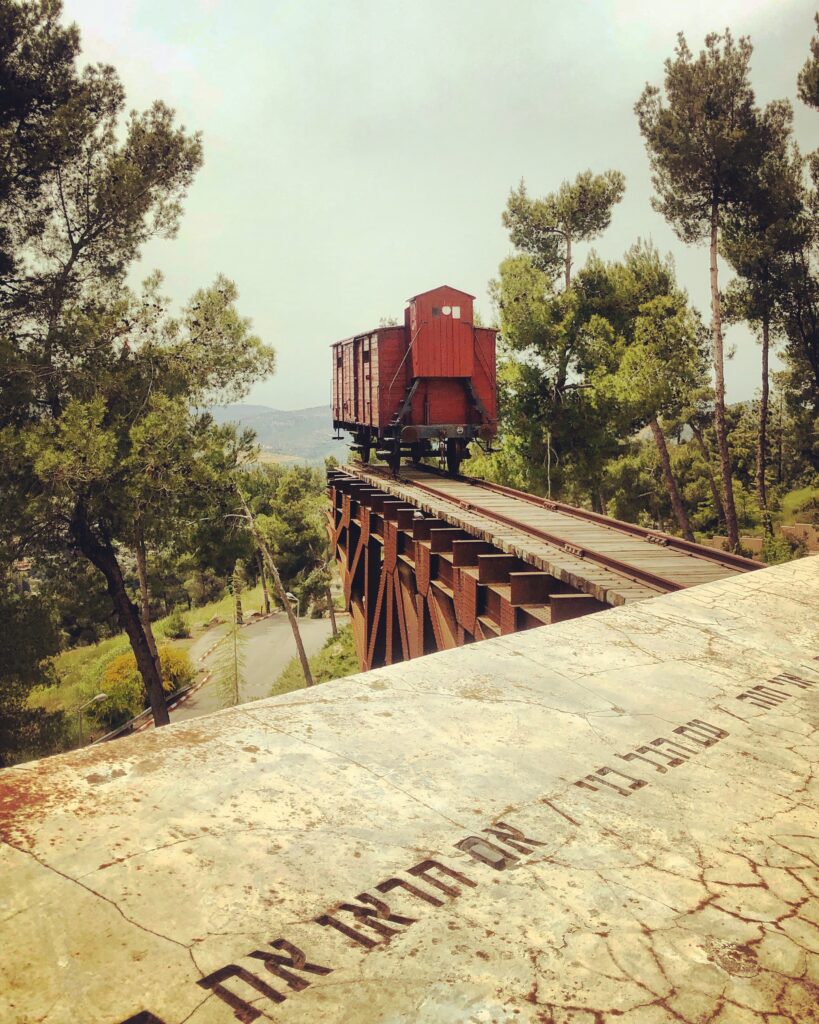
column 701, row 551
column 625, row 569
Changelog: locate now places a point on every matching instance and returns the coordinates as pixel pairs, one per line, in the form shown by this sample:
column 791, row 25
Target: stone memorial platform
column 613, row 820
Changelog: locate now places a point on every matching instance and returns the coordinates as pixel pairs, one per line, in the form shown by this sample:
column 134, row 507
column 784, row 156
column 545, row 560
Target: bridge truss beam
column 414, row 584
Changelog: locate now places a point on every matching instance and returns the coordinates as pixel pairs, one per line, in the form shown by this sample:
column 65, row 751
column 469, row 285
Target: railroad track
column 603, row 556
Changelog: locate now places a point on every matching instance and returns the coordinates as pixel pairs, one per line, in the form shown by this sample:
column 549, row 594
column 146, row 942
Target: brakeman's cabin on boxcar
column 422, row 389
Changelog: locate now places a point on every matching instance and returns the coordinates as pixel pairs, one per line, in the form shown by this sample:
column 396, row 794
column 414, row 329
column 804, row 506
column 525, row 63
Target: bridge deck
column 611, row 820
column 615, row 562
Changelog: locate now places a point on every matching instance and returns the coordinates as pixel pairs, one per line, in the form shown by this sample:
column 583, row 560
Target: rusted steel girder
column 414, row 584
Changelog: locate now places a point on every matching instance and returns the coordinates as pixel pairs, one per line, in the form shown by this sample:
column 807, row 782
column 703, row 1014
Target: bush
column 177, row 670
column 808, row 511
column 336, row 659
column 204, row 586
column 176, row 625
column 778, row 549
column 123, row 684
column 125, row 701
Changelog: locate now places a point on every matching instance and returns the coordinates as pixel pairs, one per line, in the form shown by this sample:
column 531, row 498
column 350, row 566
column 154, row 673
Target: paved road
column 269, row 645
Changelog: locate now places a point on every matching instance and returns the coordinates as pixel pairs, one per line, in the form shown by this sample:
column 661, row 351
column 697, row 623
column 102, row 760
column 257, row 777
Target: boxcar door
column 349, row 396
column 356, row 380
column 366, row 380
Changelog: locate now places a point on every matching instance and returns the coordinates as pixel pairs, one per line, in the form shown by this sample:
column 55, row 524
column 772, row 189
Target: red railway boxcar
column 424, row 389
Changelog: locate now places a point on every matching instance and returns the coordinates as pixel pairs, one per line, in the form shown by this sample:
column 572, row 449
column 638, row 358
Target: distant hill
column 287, row 435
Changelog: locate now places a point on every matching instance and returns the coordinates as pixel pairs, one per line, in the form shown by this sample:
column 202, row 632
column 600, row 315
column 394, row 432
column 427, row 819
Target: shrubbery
column 336, row 659
column 176, row 625
column 122, row 684
column 177, row 670
column 780, row 549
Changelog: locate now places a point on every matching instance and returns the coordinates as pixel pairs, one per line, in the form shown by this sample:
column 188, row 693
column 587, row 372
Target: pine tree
column 101, row 446
column 230, row 658
column 761, row 237
column 704, row 141
column 547, row 229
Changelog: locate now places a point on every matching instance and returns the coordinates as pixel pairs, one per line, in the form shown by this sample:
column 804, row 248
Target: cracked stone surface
column 608, row 821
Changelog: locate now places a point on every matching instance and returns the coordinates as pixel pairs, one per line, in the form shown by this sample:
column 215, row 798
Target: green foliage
column 777, row 549
column 289, row 509
column 583, row 369
column 28, row 638
column 176, row 625
column 706, row 139
column 76, row 595
column 801, row 506
column 177, row 671
column 40, row 88
column 545, row 229
column 646, row 351
column 102, row 434
column 808, row 82
column 336, row 659
column 125, row 691
column 229, row 665
column 204, row 586
column 125, row 695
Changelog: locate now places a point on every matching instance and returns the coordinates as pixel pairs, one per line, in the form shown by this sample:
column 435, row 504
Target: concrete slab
column 610, row 820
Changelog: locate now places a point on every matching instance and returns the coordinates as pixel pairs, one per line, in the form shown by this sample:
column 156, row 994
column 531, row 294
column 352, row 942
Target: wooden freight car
column 420, row 390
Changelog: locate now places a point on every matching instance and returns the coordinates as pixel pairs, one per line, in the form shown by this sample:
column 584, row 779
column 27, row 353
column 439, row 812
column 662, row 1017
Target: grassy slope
column 336, row 659
column 792, row 501
column 80, row 670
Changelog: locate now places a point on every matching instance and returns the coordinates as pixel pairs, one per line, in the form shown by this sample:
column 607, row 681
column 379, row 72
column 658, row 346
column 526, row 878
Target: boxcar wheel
column 394, row 460
column 454, row 454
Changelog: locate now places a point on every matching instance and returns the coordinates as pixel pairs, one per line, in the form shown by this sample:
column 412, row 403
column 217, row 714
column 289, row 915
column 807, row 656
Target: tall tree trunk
column 719, row 390
column 332, row 610
column 235, row 683
column 236, row 586
column 568, row 261
column 280, row 591
column 101, row 554
column 263, row 579
column 762, row 440
column 712, row 483
column 145, row 594
column 670, row 481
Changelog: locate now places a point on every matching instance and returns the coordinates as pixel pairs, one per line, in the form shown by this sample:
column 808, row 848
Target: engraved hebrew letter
column 393, row 883
column 486, row 852
column 701, row 732
column 788, row 677
column 242, row 1010
column 278, row 964
column 513, row 837
column 422, row 871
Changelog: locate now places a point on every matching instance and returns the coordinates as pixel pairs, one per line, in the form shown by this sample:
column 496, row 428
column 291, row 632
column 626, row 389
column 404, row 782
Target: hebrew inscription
column 775, row 691
column 368, row 921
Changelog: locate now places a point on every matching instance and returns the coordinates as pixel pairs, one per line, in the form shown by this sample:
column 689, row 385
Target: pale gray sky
column 360, row 151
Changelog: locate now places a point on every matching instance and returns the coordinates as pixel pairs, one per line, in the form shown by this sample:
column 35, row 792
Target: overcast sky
column 361, row 151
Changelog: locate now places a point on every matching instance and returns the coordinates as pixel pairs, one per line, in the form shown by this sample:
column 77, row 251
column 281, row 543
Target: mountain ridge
column 291, row 434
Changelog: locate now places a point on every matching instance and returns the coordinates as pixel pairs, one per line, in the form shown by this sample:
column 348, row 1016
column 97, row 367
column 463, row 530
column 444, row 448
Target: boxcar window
column 436, row 310
column 366, row 355
column 456, row 312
